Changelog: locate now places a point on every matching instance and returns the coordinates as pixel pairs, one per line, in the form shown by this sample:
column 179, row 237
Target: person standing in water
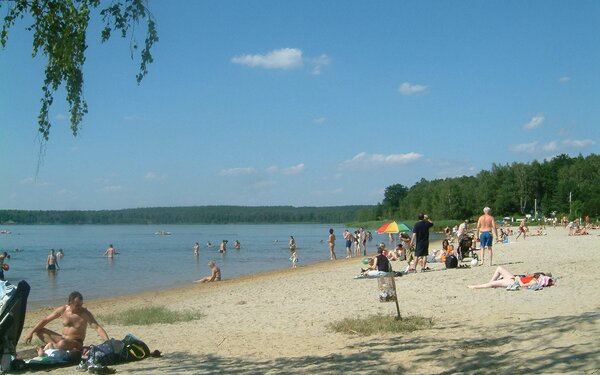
column 52, row 261
column 110, row 252
column 331, row 243
column 196, row 248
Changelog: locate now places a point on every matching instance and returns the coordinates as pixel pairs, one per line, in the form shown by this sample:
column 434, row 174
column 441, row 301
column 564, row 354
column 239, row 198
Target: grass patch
column 381, row 324
column 150, row 315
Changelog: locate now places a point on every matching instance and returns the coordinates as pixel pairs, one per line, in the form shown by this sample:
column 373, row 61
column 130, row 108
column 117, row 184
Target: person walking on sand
column 331, row 243
column 348, row 239
column 196, row 248
column 215, row 274
column 110, row 252
column 75, row 319
column 485, row 225
column 52, row 261
column 522, row 230
column 420, row 239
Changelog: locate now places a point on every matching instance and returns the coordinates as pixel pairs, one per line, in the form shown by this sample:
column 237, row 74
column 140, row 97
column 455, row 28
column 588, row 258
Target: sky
column 303, row 102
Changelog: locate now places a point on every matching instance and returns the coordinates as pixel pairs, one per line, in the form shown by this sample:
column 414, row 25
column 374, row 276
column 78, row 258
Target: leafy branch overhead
column 59, row 32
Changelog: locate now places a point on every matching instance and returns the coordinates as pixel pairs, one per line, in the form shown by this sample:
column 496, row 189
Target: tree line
column 190, row 215
column 562, row 186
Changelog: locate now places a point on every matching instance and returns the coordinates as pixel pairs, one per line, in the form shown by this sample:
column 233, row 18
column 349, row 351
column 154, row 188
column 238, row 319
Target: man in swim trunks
column 51, row 261
column 75, row 319
column 485, row 225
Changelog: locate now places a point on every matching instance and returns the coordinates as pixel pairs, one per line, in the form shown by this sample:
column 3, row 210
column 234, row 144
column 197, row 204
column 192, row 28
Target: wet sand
column 277, row 322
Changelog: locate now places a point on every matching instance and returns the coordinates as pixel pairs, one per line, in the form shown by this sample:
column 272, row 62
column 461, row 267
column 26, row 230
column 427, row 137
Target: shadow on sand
column 498, row 355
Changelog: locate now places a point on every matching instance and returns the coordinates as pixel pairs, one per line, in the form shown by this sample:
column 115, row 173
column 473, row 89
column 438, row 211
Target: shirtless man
column 75, row 319
column 51, row 261
column 485, row 225
column 348, row 239
column 110, row 252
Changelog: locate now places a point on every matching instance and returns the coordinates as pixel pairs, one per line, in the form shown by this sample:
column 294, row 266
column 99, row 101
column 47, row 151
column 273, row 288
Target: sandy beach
column 277, row 322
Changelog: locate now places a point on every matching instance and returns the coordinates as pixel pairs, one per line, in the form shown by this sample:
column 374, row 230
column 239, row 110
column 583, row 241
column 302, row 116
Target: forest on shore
column 563, row 186
column 190, row 215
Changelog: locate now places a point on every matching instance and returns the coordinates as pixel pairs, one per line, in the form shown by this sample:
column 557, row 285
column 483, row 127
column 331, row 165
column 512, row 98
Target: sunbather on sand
column 75, row 319
column 214, row 276
column 503, row 278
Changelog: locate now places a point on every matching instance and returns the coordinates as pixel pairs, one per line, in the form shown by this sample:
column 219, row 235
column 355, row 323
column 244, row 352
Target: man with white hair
column 485, row 225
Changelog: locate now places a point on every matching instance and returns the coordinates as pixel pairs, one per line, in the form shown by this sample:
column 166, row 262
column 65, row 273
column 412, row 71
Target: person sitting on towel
column 75, row 319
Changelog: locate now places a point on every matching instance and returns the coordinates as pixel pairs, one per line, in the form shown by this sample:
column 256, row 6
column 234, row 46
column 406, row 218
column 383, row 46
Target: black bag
column 451, row 262
column 134, row 349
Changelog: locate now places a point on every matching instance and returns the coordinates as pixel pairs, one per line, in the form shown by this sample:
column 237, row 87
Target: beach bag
column 134, row 349
column 105, row 354
column 451, row 261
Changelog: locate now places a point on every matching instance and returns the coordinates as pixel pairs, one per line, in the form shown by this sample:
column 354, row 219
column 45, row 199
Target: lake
column 147, row 261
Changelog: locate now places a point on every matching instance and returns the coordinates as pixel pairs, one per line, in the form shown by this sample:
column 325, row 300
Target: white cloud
column 296, row 169
column 111, row 189
column 320, row 62
column 26, row 181
column 102, row 181
column 132, row 118
column 534, row 122
column 262, row 184
column 410, row 89
column 285, row 58
column 152, row 176
column 564, row 79
column 524, row 147
column 320, row 120
column 579, row 143
column 550, row 146
column 375, row 160
column 237, row 171
column 272, row 169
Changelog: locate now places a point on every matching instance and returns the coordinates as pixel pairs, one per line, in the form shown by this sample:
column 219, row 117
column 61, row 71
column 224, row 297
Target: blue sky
column 305, row 103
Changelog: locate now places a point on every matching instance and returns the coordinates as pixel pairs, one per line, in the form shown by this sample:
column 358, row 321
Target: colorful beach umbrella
column 393, row 227
column 389, row 228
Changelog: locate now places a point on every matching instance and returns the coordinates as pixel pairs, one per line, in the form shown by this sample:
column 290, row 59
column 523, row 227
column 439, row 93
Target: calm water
column 148, row 261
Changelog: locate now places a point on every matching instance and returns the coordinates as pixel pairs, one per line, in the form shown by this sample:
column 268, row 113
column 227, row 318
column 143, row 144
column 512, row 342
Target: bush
column 381, row 324
column 150, row 315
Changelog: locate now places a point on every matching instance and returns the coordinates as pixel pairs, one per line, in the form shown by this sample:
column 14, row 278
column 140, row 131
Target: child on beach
column 294, row 257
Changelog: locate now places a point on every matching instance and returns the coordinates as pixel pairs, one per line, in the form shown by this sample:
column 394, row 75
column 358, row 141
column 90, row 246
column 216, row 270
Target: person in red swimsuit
column 503, row 278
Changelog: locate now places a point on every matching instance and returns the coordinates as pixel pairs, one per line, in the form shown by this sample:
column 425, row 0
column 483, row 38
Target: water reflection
column 52, row 279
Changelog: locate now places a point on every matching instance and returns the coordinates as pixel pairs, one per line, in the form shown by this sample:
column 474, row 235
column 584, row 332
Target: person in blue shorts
column 485, row 225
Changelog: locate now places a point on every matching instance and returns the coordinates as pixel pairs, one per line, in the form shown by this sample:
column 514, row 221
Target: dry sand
column 278, row 322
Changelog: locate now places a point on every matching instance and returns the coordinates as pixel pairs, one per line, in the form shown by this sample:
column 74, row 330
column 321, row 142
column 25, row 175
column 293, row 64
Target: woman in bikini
column 502, row 279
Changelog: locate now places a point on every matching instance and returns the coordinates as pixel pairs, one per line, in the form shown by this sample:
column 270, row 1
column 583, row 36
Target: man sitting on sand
column 75, row 319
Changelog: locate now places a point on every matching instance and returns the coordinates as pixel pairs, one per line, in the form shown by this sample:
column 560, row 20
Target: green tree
column 59, row 32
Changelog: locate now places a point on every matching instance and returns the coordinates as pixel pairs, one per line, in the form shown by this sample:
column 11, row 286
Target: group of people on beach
column 355, row 242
